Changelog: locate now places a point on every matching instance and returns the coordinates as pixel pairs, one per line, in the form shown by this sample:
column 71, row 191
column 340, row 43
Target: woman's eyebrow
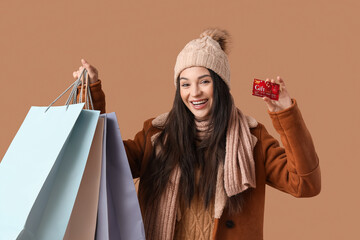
column 206, row 75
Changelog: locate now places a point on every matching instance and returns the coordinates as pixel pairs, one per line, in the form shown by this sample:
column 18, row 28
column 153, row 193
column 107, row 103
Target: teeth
column 199, row 102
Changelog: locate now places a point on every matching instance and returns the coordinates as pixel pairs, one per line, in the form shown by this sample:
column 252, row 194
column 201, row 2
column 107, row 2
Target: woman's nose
column 195, row 91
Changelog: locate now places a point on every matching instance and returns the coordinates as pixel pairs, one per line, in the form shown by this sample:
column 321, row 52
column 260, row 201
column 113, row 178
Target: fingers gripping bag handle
column 72, row 99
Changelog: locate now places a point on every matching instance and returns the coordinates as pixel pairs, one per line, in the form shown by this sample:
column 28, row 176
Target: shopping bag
column 41, row 172
column 119, row 215
column 82, row 222
column 42, row 169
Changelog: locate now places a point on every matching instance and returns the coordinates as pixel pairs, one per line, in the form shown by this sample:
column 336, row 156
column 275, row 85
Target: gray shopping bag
column 119, row 215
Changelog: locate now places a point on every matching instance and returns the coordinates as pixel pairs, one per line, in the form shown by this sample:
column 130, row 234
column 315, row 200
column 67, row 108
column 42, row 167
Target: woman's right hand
column 93, row 72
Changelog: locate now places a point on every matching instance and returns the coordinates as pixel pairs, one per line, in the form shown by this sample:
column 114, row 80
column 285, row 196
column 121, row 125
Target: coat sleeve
column 140, row 148
column 295, row 168
column 135, row 152
column 97, row 94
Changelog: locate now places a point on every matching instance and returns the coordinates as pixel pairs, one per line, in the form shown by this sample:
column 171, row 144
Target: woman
column 204, row 165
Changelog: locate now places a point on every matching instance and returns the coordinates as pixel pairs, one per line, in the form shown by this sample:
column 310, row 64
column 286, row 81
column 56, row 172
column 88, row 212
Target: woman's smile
column 199, row 104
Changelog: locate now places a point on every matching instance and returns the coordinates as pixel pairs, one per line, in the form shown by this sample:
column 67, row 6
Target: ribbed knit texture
column 160, row 223
column 239, row 175
column 202, row 129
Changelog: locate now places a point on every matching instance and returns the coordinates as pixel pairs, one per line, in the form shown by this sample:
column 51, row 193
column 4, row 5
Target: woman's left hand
column 284, row 97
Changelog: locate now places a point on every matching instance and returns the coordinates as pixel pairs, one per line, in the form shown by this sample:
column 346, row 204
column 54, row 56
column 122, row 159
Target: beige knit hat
column 207, row 51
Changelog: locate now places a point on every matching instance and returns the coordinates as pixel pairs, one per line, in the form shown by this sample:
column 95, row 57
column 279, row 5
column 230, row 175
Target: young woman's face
column 196, row 90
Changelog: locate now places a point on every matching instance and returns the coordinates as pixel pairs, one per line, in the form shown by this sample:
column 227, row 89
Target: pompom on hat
column 209, row 51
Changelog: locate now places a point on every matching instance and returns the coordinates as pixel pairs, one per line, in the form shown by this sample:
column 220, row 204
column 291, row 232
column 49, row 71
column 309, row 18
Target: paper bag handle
column 73, row 94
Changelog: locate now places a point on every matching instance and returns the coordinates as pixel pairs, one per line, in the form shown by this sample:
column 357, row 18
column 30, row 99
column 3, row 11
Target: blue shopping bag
column 119, row 215
column 41, row 171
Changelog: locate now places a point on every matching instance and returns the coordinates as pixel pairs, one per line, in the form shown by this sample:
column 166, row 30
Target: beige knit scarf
column 234, row 176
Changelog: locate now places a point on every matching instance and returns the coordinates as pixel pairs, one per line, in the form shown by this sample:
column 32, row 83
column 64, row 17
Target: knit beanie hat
column 208, row 51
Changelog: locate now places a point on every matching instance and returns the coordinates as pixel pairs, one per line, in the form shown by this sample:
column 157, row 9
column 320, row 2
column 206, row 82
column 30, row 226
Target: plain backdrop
column 313, row 45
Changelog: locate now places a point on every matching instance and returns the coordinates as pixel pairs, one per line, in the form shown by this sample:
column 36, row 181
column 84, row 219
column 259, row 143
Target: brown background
column 313, row 45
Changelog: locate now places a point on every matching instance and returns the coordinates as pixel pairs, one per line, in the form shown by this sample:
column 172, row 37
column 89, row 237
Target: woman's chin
column 202, row 117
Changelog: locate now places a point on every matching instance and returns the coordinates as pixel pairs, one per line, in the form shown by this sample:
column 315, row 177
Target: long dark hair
column 177, row 146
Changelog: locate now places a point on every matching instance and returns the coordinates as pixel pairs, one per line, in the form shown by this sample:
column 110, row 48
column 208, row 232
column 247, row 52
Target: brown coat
column 293, row 169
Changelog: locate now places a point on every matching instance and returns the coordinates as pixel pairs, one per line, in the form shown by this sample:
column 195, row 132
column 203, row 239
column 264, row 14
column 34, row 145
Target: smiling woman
column 204, row 165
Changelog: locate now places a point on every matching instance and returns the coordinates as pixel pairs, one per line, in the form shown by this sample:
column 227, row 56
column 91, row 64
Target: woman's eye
column 205, row 81
column 185, row 85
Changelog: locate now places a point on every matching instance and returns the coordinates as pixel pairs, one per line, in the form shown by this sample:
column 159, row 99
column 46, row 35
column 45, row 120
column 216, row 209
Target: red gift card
column 266, row 89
